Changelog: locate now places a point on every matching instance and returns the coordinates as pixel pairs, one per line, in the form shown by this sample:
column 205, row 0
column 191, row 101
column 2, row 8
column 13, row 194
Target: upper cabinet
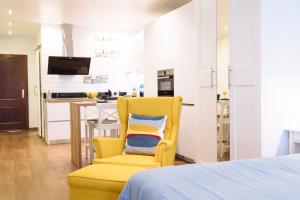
column 169, row 43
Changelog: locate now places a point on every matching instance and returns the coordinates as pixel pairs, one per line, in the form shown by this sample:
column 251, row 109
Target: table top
column 84, row 103
column 66, row 100
column 94, row 103
column 109, row 105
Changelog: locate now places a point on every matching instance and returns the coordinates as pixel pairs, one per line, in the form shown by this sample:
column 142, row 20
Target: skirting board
column 186, row 159
column 63, row 141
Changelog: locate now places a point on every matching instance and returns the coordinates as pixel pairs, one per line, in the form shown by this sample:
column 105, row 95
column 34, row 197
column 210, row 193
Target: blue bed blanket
column 268, row 179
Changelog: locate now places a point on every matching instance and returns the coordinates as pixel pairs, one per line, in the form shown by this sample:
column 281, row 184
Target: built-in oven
column 165, row 82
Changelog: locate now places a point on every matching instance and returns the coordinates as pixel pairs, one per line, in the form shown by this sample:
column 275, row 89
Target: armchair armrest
column 107, row 147
column 165, row 152
column 166, row 144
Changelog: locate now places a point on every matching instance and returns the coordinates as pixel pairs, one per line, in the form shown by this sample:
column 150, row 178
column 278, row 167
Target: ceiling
column 222, row 18
column 107, row 14
column 18, row 28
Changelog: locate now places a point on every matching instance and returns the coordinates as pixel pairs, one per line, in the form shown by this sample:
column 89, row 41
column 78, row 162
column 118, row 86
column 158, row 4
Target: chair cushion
column 144, row 133
column 130, row 160
column 154, row 106
column 105, row 177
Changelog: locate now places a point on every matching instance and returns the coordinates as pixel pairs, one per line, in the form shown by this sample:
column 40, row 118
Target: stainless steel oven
column 165, row 82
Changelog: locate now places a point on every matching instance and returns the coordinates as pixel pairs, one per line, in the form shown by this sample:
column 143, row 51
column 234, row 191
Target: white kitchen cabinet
column 205, row 54
column 59, row 131
column 57, row 121
column 186, row 138
column 186, row 40
column 245, row 114
column 169, row 43
column 58, row 111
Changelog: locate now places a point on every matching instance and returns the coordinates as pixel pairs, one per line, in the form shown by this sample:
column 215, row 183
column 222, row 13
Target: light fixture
column 9, row 32
column 9, row 24
column 10, row 12
column 226, row 28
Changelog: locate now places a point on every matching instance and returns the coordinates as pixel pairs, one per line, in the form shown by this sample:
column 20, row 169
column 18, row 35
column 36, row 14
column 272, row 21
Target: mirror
column 223, row 93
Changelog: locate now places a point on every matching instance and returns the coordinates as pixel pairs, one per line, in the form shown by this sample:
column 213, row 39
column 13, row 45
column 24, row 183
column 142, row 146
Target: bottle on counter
column 133, row 93
column 49, row 96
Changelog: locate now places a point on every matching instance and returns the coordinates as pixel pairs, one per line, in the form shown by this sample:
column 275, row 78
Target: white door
column 206, row 97
column 244, row 80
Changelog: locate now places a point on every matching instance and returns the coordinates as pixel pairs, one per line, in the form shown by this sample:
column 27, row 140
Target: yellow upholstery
column 99, row 181
column 111, row 169
column 109, row 150
column 132, row 160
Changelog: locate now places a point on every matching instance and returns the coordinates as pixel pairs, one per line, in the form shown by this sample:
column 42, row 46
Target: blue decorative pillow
column 144, row 133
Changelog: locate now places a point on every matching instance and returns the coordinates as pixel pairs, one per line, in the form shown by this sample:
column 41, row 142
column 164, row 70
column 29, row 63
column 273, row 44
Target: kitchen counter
column 59, row 100
column 57, row 117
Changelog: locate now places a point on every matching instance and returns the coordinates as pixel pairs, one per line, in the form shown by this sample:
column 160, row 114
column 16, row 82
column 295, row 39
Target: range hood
column 61, row 65
column 67, row 30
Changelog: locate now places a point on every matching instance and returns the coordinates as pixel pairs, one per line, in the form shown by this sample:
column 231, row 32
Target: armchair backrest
column 151, row 106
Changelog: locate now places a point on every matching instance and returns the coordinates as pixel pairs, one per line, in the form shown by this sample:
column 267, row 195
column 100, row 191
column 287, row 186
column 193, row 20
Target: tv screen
column 69, row 65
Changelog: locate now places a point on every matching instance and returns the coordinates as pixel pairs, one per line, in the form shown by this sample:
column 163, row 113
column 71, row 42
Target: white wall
column 280, row 61
column 130, row 46
column 169, row 43
column 25, row 45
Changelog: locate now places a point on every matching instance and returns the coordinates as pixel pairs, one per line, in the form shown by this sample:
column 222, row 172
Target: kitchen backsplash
column 129, row 46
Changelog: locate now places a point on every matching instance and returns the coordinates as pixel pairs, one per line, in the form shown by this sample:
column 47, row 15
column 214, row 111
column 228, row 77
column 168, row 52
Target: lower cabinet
column 57, row 121
column 186, row 130
column 60, row 131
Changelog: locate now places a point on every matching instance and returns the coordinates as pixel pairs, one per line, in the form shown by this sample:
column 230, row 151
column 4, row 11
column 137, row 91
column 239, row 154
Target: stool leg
column 114, row 133
column 86, row 141
column 91, row 129
column 117, row 133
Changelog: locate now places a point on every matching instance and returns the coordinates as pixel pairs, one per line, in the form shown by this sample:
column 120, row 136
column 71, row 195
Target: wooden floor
column 32, row 170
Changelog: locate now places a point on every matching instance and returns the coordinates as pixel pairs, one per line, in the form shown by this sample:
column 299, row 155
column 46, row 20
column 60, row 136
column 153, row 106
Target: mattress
column 268, row 179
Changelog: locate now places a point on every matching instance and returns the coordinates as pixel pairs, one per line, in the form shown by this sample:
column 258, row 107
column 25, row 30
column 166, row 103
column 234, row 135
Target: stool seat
column 101, row 179
column 91, row 124
column 106, row 121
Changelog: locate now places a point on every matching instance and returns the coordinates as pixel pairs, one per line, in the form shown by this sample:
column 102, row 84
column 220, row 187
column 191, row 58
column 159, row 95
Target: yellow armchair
column 110, row 150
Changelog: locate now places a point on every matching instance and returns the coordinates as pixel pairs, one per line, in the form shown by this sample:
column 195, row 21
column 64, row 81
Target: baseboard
column 66, row 141
column 63, row 141
column 184, row 158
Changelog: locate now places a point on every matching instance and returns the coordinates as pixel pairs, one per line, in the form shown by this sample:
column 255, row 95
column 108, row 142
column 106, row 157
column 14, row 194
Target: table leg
column 291, row 143
column 75, row 135
column 91, row 149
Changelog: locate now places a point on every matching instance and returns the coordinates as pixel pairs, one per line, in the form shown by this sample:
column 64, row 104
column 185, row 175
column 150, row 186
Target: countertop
column 62, row 100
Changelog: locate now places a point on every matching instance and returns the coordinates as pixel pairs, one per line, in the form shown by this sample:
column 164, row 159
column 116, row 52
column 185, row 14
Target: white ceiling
column 107, row 14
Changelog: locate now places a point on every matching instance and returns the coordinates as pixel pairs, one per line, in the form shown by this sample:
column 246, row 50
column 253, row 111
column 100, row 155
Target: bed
column 269, row 178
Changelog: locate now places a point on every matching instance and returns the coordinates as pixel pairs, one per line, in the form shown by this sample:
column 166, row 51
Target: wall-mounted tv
column 69, row 65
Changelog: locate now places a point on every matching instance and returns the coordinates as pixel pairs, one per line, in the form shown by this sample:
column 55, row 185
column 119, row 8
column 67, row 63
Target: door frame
column 24, row 63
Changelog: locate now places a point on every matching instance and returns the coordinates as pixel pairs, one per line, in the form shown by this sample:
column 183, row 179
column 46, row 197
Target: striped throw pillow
column 144, row 133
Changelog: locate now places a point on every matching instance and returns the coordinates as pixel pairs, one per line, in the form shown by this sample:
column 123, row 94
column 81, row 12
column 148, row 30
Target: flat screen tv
column 69, row 65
